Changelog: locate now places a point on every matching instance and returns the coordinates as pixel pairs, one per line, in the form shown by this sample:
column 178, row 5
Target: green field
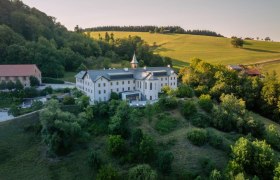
column 183, row 47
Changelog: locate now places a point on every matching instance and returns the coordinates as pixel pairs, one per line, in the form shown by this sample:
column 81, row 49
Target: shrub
column 68, row 100
column 188, row 108
column 31, row 92
column 215, row 140
column 205, row 102
column 51, row 80
column 165, row 124
column 116, row 145
column 207, row 165
column 197, row 136
column 185, row 91
column 215, row 175
column 164, row 162
column 272, row 136
column 142, row 172
column 201, row 89
column 114, row 96
column 200, row 120
column 168, row 103
column 107, row 173
column 94, row 159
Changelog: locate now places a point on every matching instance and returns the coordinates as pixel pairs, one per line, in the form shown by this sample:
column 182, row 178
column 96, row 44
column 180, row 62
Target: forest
column 30, row 36
column 152, row 29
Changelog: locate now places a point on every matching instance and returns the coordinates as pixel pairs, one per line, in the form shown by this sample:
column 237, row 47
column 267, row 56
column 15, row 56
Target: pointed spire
column 134, row 60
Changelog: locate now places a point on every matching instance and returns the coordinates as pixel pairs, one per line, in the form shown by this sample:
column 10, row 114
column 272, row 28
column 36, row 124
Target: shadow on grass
column 260, row 50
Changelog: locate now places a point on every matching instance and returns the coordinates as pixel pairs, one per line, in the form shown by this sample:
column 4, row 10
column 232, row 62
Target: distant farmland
column 183, row 47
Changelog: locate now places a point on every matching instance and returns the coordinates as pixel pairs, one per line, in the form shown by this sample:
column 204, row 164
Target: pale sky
column 242, row 18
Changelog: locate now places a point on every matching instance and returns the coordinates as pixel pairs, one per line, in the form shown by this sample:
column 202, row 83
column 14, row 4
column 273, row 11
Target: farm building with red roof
column 21, row 72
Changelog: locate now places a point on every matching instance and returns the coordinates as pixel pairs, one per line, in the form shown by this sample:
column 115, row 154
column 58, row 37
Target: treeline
column 152, row 29
column 30, row 36
column 260, row 94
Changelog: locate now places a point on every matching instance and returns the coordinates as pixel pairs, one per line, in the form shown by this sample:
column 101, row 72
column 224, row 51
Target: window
column 99, row 92
column 122, row 89
column 123, row 82
column 161, row 84
column 104, row 98
column 111, row 83
column 98, row 84
column 117, row 83
column 134, row 88
column 104, row 91
column 140, row 84
column 128, row 82
column 117, row 89
column 145, row 85
column 104, row 84
column 151, row 97
column 161, row 79
column 151, row 86
column 129, row 88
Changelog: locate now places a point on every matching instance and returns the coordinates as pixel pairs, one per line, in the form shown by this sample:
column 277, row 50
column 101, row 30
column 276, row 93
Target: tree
column 237, row 42
column 10, row 85
column 188, row 108
column 205, row 102
column 277, row 172
column 107, row 37
column 60, row 130
column 215, row 175
column 185, row 91
column 94, row 159
column 3, row 85
column 267, row 39
column 114, row 96
column 142, row 172
column 164, row 162
column 68, row 100
column 116, row 145
column 147, row 149
column 34, row 81
column 107, row 172
column 254, row 158
column 83, row 101
column 18, row 85
column 14, row 110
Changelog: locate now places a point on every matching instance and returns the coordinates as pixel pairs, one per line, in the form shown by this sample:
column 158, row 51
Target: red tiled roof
column 18, row 70
column 253, row 72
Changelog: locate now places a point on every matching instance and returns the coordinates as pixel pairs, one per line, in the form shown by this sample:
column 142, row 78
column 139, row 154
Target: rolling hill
column 183, row 47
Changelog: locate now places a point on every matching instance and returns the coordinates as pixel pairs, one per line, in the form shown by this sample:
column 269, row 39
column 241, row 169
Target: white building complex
column 134, row 84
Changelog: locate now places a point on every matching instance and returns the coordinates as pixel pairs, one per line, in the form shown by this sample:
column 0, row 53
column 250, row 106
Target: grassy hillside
column 23, row 155
column 183, row 47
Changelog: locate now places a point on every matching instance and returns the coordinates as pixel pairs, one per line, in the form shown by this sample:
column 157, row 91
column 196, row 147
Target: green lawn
column 183, row 47
column 69, row 76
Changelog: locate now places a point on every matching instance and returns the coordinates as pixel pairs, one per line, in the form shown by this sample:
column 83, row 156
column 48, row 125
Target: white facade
column 145, row 81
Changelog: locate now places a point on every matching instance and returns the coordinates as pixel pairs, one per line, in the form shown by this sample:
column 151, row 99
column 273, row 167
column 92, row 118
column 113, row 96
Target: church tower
column 134, row 62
